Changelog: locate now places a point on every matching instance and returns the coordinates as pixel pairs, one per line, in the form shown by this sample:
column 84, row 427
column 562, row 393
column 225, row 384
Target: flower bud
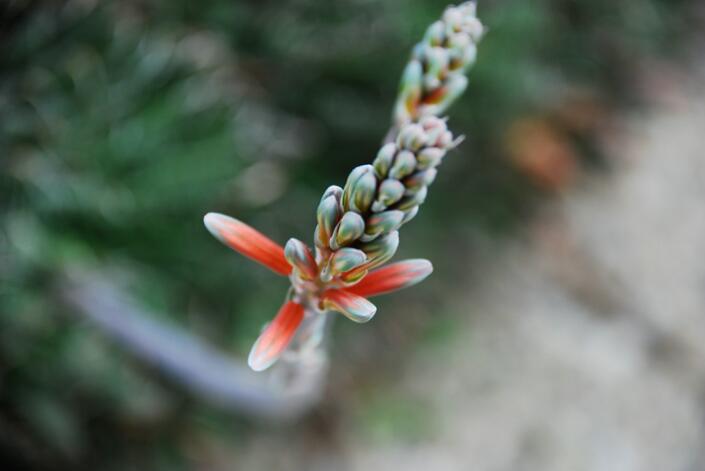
column 410, row 91
column 430, row 157
column 404, row 164
column 380, row 250
column 333, row 190
column 345, row 259
column 419, row 179
column 435, row 34
column 453, row 88
column 300, row 257
column 436, row 60
column 390, row 191
column 327, row 215
column 360, row 189
column 384, row 159
column 348, row 230
column 382, row 223
column 410, row 201
column 411, row 137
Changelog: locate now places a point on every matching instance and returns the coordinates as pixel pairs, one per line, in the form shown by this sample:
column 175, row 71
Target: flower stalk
column 357, row 225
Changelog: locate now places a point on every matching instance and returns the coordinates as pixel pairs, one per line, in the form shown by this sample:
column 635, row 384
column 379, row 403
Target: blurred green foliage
column 122, row 123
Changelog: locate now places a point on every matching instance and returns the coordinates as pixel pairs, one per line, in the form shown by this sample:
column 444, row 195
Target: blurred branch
column 201, row 369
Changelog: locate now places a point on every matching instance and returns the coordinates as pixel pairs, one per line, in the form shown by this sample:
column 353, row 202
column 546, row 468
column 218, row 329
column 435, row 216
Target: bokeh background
column 563, row 326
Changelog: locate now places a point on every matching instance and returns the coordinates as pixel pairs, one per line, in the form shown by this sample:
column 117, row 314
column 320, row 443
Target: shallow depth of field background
column 562, row 328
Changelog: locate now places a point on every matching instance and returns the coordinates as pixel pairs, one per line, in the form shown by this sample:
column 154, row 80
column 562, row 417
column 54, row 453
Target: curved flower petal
column 249, row 242
column 393, row 277
column 352, row 306
column 276, row 336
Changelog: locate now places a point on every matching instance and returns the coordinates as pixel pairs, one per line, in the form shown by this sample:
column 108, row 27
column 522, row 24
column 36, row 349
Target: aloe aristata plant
column 357, row 229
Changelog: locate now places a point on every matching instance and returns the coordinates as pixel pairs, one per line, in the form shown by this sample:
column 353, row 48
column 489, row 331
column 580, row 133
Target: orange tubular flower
column 349, row 300
column 249, row 242
column 392, row 277
column 276, row 336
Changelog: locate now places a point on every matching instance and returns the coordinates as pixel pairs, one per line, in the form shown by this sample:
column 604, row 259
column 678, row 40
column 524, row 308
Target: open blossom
column 319, row 297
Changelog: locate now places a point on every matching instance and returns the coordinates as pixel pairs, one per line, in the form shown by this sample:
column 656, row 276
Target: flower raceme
column 351, row 300
column 357, row 225
column 357, row 232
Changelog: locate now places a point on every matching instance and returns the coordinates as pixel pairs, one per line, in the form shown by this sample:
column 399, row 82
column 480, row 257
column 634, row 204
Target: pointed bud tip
column 211, row 221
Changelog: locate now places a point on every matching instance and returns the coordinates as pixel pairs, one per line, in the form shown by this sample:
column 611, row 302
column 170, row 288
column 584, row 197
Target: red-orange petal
column 248, row 241
column 276, row 336
column 392, row 277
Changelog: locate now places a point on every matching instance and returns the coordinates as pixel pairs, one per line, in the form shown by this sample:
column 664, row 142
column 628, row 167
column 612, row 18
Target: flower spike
column 276, row 336
column 393, row 277
column 248, row 241
column 357, row 225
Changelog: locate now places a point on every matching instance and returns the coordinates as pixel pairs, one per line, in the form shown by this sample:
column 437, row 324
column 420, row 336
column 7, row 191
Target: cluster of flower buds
column 435, row 75
column 357, row 225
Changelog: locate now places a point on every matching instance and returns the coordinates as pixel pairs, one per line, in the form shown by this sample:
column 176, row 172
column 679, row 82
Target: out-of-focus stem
column 287, row 392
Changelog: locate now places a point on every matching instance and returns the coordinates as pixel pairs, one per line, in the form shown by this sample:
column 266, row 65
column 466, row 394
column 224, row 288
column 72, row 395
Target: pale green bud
column 435, row 34
column 390, row 191
column 333, row 190
column 408, row 202
column 345, row 259
column 300, row 257
column 382, row 223
column 419, row 180
column 348, row 230
column 380, row 250
column 412, row 137
column 384, row 159
column 404, row 164
column 410, row 91
column 429, row 157
column 437, row 60
column 453, row 88
column 327, row 216
column 360, row 189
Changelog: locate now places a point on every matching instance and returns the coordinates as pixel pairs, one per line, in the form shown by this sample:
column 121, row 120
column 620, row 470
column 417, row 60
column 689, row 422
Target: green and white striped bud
column 380, row 250
column 434, row 77
column 412, row 137
column 420, row 179
column 430, row 157
column 390, row 191
column 410, row 92
column 328, row 215
column 416, row 199
column 300, row 257
column 343, row 260
column 404, row 164
column 350, row 227
column 359, row 191
column 385, row 159
column 333, row 190
column 382, row 223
